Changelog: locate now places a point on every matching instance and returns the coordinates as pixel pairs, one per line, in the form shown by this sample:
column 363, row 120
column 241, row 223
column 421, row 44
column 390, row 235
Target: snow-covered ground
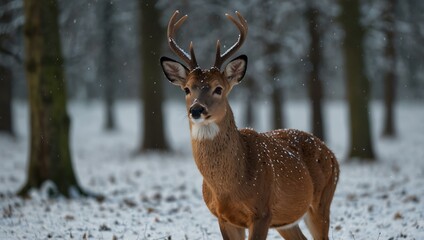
column 158, row 196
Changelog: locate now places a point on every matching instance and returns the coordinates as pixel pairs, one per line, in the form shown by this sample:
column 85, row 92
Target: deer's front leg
column 230, row 232
column 260, row 226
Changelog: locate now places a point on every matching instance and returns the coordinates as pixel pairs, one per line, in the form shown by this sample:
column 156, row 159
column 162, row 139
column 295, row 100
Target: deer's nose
column 196, row 111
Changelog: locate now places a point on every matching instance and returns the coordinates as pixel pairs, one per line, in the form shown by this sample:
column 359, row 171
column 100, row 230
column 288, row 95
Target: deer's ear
column 235, row 70
column 174, row 71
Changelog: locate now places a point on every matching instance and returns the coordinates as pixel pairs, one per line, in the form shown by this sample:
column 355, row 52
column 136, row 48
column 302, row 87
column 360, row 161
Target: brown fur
column 251, row 180
column 259, row 180
column 280, row 175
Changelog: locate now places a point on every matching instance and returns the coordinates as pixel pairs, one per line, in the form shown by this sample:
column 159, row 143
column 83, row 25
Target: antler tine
column 242, row 26
column 192, row 56
column 173, row 26
column 218, row 54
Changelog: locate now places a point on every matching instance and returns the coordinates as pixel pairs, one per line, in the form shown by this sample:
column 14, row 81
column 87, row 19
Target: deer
column 251, row 180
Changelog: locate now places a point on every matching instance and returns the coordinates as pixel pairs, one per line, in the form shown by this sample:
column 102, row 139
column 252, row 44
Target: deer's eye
column 187, row 91
column 218, row 91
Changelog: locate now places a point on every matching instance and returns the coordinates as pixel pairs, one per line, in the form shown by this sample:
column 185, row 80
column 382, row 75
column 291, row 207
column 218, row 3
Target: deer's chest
column 227, row 207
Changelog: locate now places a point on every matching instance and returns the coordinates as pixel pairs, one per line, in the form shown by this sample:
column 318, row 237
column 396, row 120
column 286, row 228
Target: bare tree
column 390, row 74
column 6, row 75
column 273, row 46
column 357, row 83
column 106, row 66
column 151, row 77
column 275, row 36
column 315, row 83
column 411, row 48
column 277, row 92
column 49, row 157
column 6, row 123
column 249, row 101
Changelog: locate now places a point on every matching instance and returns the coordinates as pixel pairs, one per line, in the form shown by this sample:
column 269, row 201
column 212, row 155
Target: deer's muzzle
column 196, row 110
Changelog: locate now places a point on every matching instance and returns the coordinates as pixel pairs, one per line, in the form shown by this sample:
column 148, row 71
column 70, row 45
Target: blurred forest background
column 352, row 50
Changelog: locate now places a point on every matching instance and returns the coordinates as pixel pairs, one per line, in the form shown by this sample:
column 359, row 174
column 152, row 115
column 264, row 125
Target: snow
column 158, row 196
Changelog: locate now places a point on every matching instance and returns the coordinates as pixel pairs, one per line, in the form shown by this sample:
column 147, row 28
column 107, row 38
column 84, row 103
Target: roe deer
column 250, row 180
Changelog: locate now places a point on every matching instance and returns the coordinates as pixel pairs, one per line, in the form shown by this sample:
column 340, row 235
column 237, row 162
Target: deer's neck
column 220, row 156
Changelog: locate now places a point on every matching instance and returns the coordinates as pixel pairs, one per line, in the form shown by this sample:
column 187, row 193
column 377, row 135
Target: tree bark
column 106, row 68
column 315, row 84
column 390, row 75
column 277, row 99
column 49, row 157
column 6, row 122
column 250, row 95
column 277, row 108
column 151, row 77
column 361, row 146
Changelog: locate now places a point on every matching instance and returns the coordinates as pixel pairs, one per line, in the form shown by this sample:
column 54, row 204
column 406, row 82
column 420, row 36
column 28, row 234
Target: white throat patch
column 204, row 131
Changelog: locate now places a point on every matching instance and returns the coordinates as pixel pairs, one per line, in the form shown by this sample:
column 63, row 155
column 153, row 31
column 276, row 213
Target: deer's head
column 206, row 89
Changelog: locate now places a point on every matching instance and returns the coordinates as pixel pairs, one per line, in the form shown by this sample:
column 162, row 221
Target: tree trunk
column 106, row 68
column 361, row 146
column 6, row 123
column 151, row 77
column 315, row 84
column 49, row 157
column 412, row 49
column 277, row 105
column 250, row 95
column 390, row 75
column 277, row 99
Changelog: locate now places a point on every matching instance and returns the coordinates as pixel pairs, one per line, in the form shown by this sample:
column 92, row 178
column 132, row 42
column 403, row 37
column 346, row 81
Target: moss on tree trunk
column 49, row 157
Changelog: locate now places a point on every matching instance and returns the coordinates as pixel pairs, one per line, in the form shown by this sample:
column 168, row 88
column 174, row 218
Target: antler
column 242, row 26
column 173, row 26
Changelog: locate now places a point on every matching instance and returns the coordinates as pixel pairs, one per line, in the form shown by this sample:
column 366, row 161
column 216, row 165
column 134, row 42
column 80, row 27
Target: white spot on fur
column 204, row 131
